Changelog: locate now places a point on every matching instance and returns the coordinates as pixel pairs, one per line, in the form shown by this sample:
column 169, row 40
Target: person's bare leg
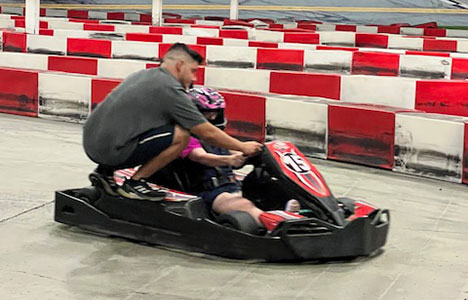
column 179, row 142
column 227, row 202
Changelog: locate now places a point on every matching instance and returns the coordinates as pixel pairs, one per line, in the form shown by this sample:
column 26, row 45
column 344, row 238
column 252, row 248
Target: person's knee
column 181, row 136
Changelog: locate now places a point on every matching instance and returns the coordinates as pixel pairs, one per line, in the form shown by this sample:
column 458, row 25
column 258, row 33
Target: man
column 147, row 121
column 214, row 180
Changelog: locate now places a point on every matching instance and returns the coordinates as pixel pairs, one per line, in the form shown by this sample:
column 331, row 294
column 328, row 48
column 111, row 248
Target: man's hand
column 250, row 148
column 237, row 160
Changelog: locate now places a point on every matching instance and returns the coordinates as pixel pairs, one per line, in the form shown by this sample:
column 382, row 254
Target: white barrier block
column 297, row 46
column 391, row 91
column 97, row 15
column 126, row 28
column 209, row 23
column 177, row 38
column 458, row 33
column 7, row 23
column 429, row 145
column 325, row 27
column 204, row 32
column 111, row 68
column 367, row 29
column 52, row 12
column 23, row 60
column 458, row 55
column 46, row 44
column 238, row 79
column 59, row 24
column 412, row 31
column 399, row 42
column 419, row 66
column 64, row 97
column 290, row 25
column 235, row 42
column 302, row 122
column 328, row 61
column 135, row 50
column 12, row 10
column 462, row 46
column 397, row 51
column 132, row 17
column 266, row 36
column 66, row 33
column 338, row 38
column 231, row 57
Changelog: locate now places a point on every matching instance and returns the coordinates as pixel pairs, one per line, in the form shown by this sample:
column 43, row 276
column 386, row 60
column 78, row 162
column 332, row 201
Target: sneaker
column 271, row 219
column 104, row 178
column 140, row 189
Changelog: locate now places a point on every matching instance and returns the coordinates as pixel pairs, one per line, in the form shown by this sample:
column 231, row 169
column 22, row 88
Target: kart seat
column 174, row 176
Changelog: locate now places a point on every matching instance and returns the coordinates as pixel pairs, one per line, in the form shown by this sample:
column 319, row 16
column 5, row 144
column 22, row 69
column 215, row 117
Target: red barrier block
column 237, row 22
column 388, row 29
column 246, row 116
column 303, row 38
column 200, row 76
column 99, row 27
column 79, row 14
column 166, row 30
column 427, row 53
column 146, row 18
column 42, row 12
column 19, row 92
column 260, row 44
column 280, row 59
column 49, row 32
column 84, row 21
column 201, row 49
column 21, row 23
column 306, row 84
column 204, row 26
column 276, row 26
column 14, row 42
column 443, row 97
column 152, row 65
column 376, row 63
column 234, row 34
column 180, row 21
column 371, row 40
column 79, row 65
column 361, row 134
column 435, row 32
column 465, row 156
column 307, row 26
column 0, row 9
column 201, row 40
column 144, row 37
column 116, row 16
column 459, row 68
column 439, row 45
column 89, row 47
column 100, row 88
column 352, row 49
column 344, row 27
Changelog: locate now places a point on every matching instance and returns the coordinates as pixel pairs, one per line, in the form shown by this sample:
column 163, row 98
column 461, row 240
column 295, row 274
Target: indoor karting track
column 425, row 256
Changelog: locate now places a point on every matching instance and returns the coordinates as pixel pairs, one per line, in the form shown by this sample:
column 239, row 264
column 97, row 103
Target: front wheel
column 239, row 220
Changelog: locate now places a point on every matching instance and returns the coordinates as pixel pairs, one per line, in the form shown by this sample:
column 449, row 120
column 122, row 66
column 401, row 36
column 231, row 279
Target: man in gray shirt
column 147, row 120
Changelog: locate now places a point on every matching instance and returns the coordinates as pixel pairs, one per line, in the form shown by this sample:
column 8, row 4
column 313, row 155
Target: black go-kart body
column 330, row 228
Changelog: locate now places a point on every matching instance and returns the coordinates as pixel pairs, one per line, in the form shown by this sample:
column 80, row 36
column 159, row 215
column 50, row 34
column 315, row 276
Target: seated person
column 217, row 185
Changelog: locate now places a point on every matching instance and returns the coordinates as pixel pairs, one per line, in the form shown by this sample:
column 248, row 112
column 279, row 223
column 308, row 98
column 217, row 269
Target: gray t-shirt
column 145, row 100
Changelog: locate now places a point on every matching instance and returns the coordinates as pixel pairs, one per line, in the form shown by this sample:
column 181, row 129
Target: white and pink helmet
column 207, row 99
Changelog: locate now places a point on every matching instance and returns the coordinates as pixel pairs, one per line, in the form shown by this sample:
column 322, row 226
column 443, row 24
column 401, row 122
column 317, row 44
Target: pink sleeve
column 192, row 145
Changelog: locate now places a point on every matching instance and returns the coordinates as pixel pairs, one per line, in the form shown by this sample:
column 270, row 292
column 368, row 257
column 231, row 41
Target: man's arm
column 200, row 156
column 219, row 138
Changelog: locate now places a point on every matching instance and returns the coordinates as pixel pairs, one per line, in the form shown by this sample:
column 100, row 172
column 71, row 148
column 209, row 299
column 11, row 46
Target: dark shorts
column 150, row 145
column 210, row 195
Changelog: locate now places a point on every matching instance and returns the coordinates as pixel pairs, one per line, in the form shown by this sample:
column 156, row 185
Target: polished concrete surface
column 426, row 256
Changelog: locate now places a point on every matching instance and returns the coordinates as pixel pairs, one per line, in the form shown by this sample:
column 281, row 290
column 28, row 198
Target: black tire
column 239, row 220
column 88, row 194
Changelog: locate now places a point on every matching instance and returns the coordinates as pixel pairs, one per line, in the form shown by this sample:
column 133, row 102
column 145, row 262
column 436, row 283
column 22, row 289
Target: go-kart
column 330, row 227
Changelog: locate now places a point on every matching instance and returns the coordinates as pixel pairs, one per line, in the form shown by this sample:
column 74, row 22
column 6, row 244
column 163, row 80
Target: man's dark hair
column 184, row 48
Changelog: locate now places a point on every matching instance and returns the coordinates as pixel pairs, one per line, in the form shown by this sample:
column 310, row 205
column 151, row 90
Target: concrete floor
column 425, row 256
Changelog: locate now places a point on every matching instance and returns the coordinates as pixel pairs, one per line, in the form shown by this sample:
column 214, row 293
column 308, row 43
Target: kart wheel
column 88, row 194
column 239, row 220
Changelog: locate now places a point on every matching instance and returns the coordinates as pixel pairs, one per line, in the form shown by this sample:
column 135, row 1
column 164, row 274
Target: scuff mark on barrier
column 44, row 51
column 369, row 70
column 87, row 54
column 280, row 66
column 59, row 108
column 423, row 74
column 329, row 67
column 135, row 56
column 108, row 36
column 231, row 64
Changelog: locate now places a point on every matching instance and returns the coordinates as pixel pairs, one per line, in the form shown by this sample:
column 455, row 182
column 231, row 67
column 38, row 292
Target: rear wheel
column 239, row 220
column 88, row 194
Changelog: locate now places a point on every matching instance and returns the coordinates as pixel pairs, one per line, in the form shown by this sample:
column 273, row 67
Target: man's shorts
column 150, row 145
column 209, row 196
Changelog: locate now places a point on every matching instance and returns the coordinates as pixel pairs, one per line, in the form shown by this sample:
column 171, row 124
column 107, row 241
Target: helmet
column 209, row 100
